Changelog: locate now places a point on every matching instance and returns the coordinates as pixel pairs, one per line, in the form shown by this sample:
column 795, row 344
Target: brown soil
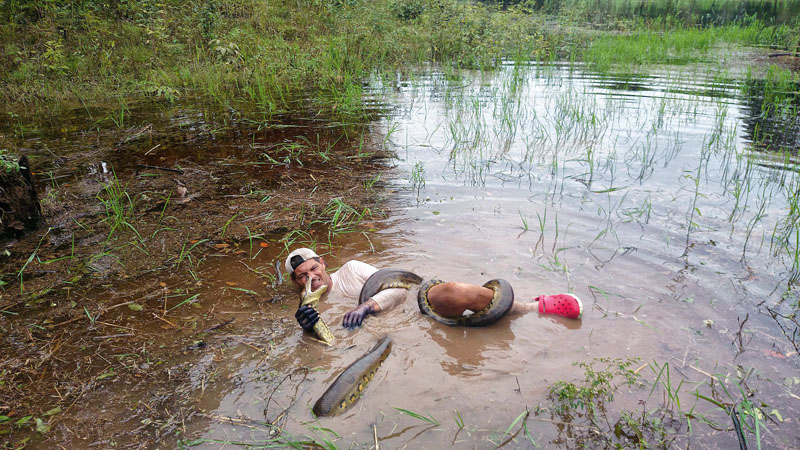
column 101, row 337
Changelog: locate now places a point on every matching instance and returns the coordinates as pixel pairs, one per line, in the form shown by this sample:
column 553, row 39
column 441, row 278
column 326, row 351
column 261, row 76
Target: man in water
column 449, row 299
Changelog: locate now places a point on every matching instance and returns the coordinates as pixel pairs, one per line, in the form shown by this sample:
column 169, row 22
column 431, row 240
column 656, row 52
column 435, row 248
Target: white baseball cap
column 297, row 257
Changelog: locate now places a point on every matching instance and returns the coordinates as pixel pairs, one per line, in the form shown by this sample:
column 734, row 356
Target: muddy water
column 645, row 196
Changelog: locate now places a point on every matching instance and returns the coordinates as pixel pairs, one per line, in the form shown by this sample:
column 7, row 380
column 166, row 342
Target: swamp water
column 652, row 198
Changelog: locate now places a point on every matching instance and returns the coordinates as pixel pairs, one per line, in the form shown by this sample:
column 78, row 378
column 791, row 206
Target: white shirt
column 350, row 278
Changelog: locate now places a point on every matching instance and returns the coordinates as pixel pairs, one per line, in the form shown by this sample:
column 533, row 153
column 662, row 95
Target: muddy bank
column 115, row 310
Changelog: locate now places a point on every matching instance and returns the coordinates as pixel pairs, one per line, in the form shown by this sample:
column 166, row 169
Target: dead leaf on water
column 774, row 354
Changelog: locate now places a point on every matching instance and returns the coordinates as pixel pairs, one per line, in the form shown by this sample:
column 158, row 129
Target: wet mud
column 157, row 260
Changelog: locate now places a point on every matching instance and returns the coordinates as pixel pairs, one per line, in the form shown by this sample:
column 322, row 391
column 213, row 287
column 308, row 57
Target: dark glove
column 355, row 317
column 306, row 316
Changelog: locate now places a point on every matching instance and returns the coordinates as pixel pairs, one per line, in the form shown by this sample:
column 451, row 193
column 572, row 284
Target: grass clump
column 643, row 43
column 8, row 163
column 597, row 388
column 583, row 406
column 118, row 205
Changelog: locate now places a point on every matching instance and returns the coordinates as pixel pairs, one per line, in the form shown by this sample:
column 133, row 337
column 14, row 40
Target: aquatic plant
column 118, row 205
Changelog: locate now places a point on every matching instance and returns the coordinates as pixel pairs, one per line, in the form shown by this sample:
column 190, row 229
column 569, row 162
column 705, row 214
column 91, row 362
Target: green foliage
column 597, row 388
column 280, row 56
column 408, row 10
column 262, row 51
column 589, row 400
column 8, row 162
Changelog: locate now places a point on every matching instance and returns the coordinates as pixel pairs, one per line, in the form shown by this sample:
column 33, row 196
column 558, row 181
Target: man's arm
column 356, row 273
column 385, row 299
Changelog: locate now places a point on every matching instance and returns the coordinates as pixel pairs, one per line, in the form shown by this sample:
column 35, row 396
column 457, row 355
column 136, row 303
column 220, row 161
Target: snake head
column 311, row 297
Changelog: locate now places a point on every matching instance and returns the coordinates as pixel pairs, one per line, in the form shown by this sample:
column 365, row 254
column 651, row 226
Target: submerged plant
column 589, row 400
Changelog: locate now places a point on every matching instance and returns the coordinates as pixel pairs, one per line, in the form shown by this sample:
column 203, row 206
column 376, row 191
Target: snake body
column 387, row 279
column 501, row 302
column 349, row 385
column 311, row 298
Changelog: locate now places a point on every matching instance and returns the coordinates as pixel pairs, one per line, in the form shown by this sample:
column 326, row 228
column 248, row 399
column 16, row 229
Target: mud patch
column 113, row 313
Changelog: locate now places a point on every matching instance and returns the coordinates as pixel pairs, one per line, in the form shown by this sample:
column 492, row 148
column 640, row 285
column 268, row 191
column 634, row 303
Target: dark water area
column 772, row 119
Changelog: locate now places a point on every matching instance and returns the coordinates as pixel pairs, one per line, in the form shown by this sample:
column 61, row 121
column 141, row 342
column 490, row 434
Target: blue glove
column 355, row 317
column 306, row 316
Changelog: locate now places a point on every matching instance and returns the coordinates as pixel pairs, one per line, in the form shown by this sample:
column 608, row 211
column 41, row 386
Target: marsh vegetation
column 641, row 155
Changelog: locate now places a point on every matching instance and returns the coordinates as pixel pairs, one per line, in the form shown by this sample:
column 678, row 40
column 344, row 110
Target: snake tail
column 349, row 385
column 387, row 279
column 501, row 302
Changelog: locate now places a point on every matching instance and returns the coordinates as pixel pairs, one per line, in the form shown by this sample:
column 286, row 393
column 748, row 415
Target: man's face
column 316, row 271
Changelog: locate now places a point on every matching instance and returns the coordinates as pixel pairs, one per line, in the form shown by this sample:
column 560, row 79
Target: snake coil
column 501, row 302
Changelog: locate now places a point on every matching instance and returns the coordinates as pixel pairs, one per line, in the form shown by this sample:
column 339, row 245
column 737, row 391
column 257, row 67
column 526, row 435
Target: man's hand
column 307, row 316
column 355, row 317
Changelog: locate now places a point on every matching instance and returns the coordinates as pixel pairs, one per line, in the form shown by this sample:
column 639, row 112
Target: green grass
column 119, row 206
column 648, row 47
column 419, row 416
column 647, row 44
column 274, row 55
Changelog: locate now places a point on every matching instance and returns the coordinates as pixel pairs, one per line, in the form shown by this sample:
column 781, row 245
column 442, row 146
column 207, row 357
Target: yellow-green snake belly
column 321, row 329
column 501, row 302
column 349, row 385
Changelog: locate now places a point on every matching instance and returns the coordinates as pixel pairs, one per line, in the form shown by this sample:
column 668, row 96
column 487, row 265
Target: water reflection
column 772, row 115
column 467, row 348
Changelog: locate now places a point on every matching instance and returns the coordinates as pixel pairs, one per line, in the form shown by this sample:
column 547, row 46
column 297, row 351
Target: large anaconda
column 501, row 302
column 349, row 385
column 387, row 279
